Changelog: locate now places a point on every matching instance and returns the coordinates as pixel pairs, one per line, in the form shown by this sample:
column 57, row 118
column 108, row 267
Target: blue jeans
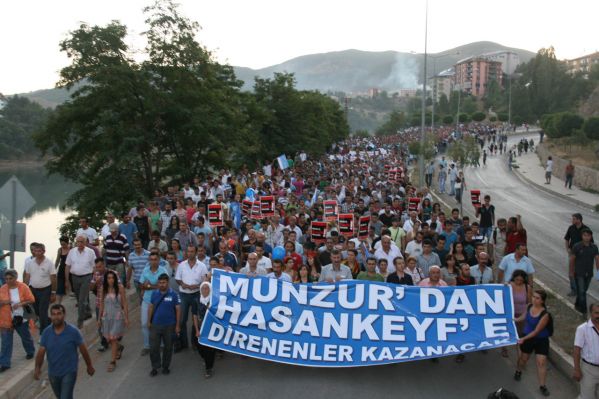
column 441, row 184
column 582, row 285
column 7, row 335
column 187, row 301
column 145, row 331
column 451, row 187
column 63, row 386
column 486, row 232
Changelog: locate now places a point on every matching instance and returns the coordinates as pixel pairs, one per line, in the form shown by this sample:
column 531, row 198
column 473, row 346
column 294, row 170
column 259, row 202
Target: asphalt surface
column 247, row 378
column 545, row 216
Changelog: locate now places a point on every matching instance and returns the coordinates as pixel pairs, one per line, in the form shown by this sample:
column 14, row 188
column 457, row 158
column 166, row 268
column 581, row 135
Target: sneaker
column 101, row 348
column 544, row 390
column 29, row 357
column 145, row 351
column 518, row 375
column 166, row 371
column 153, row 373
column 208, row 373
column 3, row 368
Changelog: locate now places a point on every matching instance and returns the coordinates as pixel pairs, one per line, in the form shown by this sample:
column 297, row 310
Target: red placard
column 256, row 210
column 319, row 230
column 215, row 215
column 267, row 205
column 413, row 204
column 363, row 224
column 346, row 224
column 330, row 210
column 246, row 207
column 475, row 196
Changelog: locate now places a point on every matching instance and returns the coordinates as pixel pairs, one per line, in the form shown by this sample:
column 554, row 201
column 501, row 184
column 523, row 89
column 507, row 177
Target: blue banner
column 353, row 323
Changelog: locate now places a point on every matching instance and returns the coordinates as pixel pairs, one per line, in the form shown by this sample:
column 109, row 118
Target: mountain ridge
column 351, row 70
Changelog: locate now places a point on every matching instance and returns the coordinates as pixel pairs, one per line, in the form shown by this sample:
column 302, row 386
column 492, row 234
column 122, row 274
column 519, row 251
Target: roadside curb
column 558, row 357
column 13, row 388
column 528, row 181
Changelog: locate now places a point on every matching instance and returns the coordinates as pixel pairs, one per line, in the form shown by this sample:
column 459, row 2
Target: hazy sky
column 264, row 32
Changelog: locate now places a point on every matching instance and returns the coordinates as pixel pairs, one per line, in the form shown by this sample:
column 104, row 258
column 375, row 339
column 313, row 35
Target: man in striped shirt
column 138, row 259
column 116, row 251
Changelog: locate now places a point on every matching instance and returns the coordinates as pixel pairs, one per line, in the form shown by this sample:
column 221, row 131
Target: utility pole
column 423, row 126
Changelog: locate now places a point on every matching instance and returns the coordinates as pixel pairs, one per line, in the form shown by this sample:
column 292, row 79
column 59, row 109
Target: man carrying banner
column 335, row 271
column 277, row 271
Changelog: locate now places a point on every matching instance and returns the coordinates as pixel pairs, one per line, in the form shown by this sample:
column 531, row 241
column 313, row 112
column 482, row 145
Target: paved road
column 248, row 378
column 546, row 217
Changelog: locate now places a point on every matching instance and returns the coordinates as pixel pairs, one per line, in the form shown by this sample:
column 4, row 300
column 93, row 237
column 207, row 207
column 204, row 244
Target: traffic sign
column 5, row 237
column 24, row 201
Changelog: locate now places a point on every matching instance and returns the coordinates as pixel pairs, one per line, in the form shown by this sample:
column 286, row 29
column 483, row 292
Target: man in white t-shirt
column 40, row 274
column 389, row 252
column 90, row 233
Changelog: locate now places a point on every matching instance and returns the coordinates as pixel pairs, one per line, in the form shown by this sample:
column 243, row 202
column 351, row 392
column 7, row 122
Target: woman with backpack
column 538, row 327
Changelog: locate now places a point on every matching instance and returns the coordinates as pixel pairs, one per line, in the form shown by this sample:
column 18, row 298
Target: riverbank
column 27, row 163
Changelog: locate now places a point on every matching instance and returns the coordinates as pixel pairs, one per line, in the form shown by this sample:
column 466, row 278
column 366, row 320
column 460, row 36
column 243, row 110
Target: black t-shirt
column 574, row 235
column 584, row 262
column 486, row 216
column 386, row 219
column 405, row 280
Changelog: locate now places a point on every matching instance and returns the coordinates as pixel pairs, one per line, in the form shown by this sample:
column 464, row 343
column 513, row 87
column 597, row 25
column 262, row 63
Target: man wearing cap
column 584, row 259
column 116, row 250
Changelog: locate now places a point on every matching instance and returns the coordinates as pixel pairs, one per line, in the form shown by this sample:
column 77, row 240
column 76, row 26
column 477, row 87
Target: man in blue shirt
column 138, row 260
column 60, row 341
column 128, row 229
column 164, row 315
column 450, row 236
column 148, row 283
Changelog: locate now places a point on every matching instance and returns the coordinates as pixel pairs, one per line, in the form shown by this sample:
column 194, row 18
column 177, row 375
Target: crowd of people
column 166, row 247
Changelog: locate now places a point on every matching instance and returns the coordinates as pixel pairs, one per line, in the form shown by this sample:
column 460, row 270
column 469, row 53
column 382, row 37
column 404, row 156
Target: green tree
column 443, row 107
column 468, row 105
column 134, row 126
column 591, row 127
column 494, row 97
column 464, row 118
column 395, row 122
column 464, row 150
column 20, row 118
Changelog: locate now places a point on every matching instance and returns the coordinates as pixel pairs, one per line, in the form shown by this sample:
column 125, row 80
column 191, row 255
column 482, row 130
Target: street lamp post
column 422, row 127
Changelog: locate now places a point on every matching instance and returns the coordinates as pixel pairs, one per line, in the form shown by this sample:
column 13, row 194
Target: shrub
column 448, row 119
column 493, row 119
column 503, row 117
column 464, row 118
column 478, row 116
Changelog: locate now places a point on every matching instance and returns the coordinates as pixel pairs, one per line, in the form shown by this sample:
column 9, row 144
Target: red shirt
column 513, row 238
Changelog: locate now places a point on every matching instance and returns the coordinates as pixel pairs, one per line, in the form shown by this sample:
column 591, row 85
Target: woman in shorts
column 536, row 338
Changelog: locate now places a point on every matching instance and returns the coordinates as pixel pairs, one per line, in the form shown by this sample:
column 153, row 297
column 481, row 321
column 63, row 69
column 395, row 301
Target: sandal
column 119, row 352
column 111, row 366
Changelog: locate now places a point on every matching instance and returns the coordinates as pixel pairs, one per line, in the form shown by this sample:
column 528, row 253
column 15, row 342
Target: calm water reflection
column 44, row 219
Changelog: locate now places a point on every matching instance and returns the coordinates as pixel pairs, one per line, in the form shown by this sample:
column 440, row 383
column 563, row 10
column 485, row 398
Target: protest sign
column 475, row 197
column 215, row 215
column 330, row 210
column 353, row 323
column 246, row 207
column 363, row 224
column 267, row 205
column 319, row 230
column 346, row 224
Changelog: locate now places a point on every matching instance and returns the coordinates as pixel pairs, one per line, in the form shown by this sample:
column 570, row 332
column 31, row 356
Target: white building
column 442, row 83
column 509, row 60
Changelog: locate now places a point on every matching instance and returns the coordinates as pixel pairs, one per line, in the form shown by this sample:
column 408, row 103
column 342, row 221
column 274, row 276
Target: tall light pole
column 422, row 127
column 457, row 117
column 509, row 100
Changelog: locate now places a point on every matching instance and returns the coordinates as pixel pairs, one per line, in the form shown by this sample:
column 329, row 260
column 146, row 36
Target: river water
column 46, row 216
